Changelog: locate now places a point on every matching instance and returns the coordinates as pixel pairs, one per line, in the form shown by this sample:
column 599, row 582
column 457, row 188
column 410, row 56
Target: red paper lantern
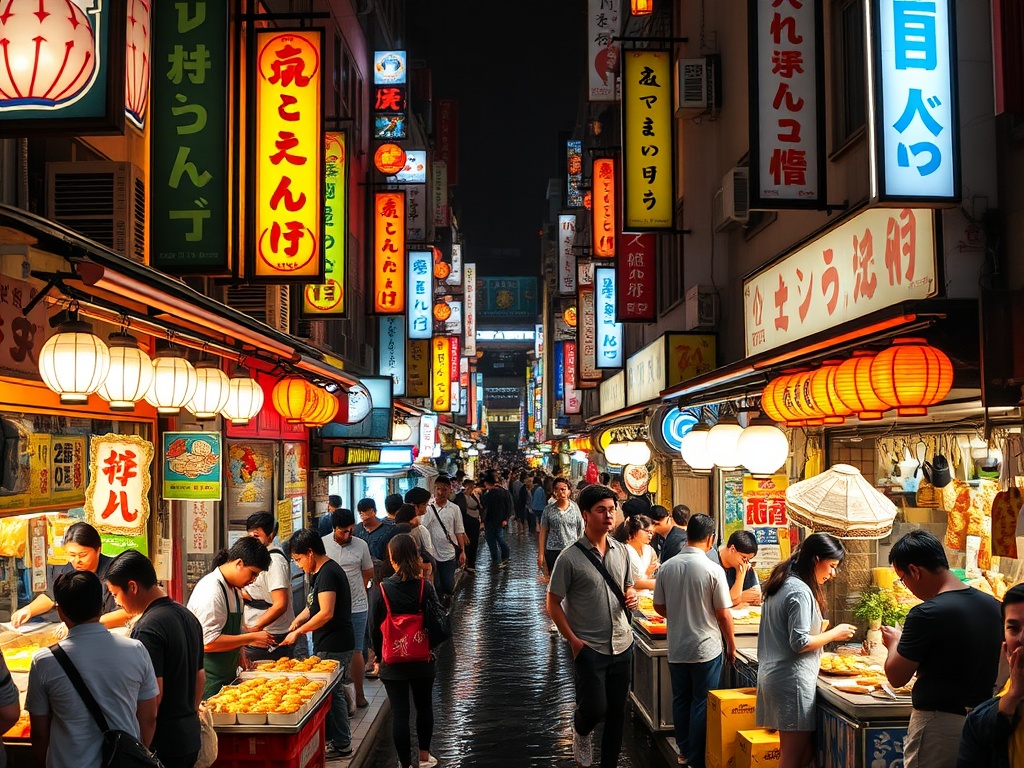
column 911, row 375
column 824, row 393
column 853, row 387
column 389, row 159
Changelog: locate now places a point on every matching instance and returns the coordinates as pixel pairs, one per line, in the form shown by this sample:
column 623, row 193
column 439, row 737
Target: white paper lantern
column 615, row 454
column 401, row 432
column 74, row 362
column 721, row 443
column 637, row 452
column 245, row 398
column 174, row 382
column 211, row 393
column 130, row 375
column 693, row 449
column 762, row 447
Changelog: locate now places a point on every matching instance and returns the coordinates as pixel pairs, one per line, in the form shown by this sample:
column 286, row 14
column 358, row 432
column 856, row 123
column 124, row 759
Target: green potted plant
column 878, row 606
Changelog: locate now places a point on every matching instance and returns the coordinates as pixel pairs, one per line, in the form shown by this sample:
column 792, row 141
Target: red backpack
column 405, row 637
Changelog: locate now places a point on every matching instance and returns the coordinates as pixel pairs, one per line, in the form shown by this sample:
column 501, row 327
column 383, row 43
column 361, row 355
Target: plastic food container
column 252, row 718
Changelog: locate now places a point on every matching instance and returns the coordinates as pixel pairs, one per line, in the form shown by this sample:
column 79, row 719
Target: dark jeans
column 532, row 518
column 495, row 536
column 690, row 686
column 181, row 761
column 445, row 579
column 398, row 696
column 337, row 725
column 602, row 686
column 472, row 526
column 550, row 555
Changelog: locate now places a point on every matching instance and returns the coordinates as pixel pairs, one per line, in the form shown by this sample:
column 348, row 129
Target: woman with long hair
column 406, row 592
column 789, row 645
column 642, row 560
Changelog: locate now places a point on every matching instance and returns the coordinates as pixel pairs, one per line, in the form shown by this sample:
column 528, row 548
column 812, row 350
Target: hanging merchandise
column 1005, row 512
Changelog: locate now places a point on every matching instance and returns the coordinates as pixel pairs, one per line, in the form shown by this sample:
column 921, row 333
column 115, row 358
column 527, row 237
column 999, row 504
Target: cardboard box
column 729, row 711
column 757, row 749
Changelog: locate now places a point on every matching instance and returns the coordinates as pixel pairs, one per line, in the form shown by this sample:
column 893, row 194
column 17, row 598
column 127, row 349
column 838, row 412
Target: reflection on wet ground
column 504, row 693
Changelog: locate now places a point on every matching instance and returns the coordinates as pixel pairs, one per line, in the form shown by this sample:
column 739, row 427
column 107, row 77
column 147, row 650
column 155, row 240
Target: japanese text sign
column 586, row 331
column 469, row 315
column 609, row 332
column 636, row 270
column 559, row 366
column 392, row 351
column 389, row 253
column 670, row 359
column 420, row 294
column 764, row 515
column 21, row 336
column 389, row 94
column 117, row 499
column 441, row 374
column 602, row 212
column 453, row 359
column 612, row 393
column 447, row 127
column 191, row 466
column 573, row 173
column 915, row 133
column 416, row 212
column 787, row 104
column 572, row 394
column 288, row 155
column 189, row 157
column 455, row 276
column 439, row 192
column 874, row 260
column 328, row 298
column 566, row 256
column 418, row 378
column 199, row 528
column 67, row 462
column 603, row 26
column 648, row 197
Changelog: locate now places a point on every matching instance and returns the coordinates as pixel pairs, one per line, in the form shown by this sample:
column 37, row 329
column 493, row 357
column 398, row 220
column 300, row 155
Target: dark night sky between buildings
column 516, row 70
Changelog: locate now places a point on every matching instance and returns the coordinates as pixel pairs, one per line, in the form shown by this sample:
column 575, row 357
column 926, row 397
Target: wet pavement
column 503, row 695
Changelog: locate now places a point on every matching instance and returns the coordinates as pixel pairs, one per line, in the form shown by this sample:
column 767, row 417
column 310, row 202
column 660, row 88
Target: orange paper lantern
column 911, row 375
column 853, row 386
column 291, row 396
column 824, row 393
column 777, row 406
column 389, row 159
column 800, row 401
column 322, row 409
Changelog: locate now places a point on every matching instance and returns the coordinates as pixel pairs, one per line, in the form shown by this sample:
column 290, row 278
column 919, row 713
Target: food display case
column 18, row 648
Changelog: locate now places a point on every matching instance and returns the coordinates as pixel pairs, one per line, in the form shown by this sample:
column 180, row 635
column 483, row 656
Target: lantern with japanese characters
column 853, row 387
column 776, row 404
column 911, row 375
column 137, row 61
column 389, row 159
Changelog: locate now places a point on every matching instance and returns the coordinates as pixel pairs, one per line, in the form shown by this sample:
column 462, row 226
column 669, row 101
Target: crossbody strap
column 387, row 604
column 616, row 589
column 433, row 507
column 76, row 680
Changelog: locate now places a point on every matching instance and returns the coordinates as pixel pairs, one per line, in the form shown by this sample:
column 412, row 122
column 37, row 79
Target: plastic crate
column 303, row 749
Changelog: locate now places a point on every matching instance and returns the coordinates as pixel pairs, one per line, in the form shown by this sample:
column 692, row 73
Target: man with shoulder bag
column 443, row 522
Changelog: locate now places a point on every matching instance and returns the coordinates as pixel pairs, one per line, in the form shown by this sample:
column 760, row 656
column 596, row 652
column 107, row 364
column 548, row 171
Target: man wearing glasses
column 735, row 557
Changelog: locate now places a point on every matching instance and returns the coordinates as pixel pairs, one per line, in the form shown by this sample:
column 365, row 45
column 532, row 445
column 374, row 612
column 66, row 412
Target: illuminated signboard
column 389, row 253
column 392, row 351
column 416, row 212
column 559, row 370
column 603, row 210
column 418, row 368
column 415, row 170
column 604, row 23
column 636, row 270
column 455, row 276
column 469, row 313
column 609, row 332
column 574, row 174
column 288, row 157
column 389, row 67
column 328, row 297
column 566, row 255
column 572, row 394
column 117, row 499
column 648, row 196
column 420, row 294
column 440, row 374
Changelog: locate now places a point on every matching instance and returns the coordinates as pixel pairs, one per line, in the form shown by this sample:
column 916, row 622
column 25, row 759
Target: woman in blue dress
column 789, row 645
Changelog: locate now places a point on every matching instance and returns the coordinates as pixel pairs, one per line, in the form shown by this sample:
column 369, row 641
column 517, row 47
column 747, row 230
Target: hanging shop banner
column 609, row 332
column 65, row 68
column 566, row 255
column 448, row 316
column 586, row 330
column 670, row 359
column 842, row 275
column 559, row 367
column 418, row 361
column 787, row 104
column 287, row 163
column 420, row 294
column 67, row 478
column 389, row 112
column 189, row 159
column 636, row 270
column 455, row 276
column 764, row 515
column 441, row 374
column 428, row 435
column 392, row 351
column 469, row 313
column 416, row 212
column 415, row 170
column 612, row 393
column 572, row 394
column 328, row 298
column 602, row 211
column 389, row 253
column 199, row 528
column 117, row 499
column 453, row 359
column 447, row 137
column 191, row 466
column 439, row 193
column 913, row 98
column 648, row 196
column 573, row 174
column 22, row 335
column 603, row 27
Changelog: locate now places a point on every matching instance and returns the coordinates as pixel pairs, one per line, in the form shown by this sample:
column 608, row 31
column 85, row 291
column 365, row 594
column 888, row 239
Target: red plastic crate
column 304, row 749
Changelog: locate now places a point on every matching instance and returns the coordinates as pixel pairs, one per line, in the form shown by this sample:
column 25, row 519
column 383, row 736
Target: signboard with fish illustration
column 192, row 466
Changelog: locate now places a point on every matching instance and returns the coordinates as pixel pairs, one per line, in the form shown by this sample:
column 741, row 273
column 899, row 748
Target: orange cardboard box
column 757, row 749
column 729, row 711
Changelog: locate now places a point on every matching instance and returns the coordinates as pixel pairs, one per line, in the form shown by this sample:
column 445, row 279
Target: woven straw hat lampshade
column 841, row 502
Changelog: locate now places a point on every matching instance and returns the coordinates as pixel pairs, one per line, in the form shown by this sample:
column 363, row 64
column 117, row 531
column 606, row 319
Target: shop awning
column 106, row 283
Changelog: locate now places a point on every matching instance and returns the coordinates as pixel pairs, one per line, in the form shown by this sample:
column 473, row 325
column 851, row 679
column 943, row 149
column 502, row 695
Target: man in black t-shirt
column 496, row 511
column 174, row 639
column 328, row 615
column 951, row 641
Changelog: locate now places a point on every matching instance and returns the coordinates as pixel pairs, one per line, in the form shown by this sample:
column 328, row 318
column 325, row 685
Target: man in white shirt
column 117, row 671
column 268, row 600
column 692, row 594
column 443, row 520
column 353, row 555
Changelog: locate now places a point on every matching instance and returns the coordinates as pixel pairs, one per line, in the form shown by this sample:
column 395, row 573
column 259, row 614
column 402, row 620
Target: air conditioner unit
column 697, row 85
column 104, row 201
column 270, row 304
column 731, row 205
column 701, row 307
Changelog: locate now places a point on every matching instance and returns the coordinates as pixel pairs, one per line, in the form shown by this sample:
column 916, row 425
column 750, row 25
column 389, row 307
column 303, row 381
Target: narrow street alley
column 504, row 690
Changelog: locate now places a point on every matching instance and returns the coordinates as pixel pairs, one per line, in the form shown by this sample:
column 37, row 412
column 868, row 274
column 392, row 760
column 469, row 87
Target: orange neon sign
column 289, row 155
column 328, row 298
column 441, row 374
column 603, row 211
column 389, row 253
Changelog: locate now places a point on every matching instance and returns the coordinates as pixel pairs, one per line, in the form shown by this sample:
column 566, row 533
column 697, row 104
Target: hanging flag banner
column 416, row 216
column 609, row 332
column 469, row 345
column 189, row 157
column 566, row 255
column 420, row 323
column 573, row 174
column 602, row 211
column 441, row 374
column 787, row 105
column 418, row 364
column 648, row 197
column 586, row 327
column 389, row 252
column 287, row 164
column 916, row 130
column 603, row 26
column 328, row 298
column 572, row 394
column 636, row 269
column 392, row 351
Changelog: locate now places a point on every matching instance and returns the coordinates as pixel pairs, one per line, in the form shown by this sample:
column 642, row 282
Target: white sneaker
column 582, row 749
column 430, row 762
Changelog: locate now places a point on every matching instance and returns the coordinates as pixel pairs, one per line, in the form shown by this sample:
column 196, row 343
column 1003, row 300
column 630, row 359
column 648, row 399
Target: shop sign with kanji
column 287, row 157
column 447, row 145
column 602, row 212
column 419, row 368
column 392, row 351
column 190, row 187
column 440, row 374
column 587, row 337
column 420, row 294
column 559, row 366
column 192, row 466
column 764, row 515
column 603, row 28
column 787, row 104
column 328, row 298
column 636, row 270
column 566, row 255
column 389, row 253
column 21, row 336
column 469, row 321
column 609, row 331
column 873, row 260
column 573, row 173
column 572, row 393
column 120, row 477
column 648, row 195
column 916, row 132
